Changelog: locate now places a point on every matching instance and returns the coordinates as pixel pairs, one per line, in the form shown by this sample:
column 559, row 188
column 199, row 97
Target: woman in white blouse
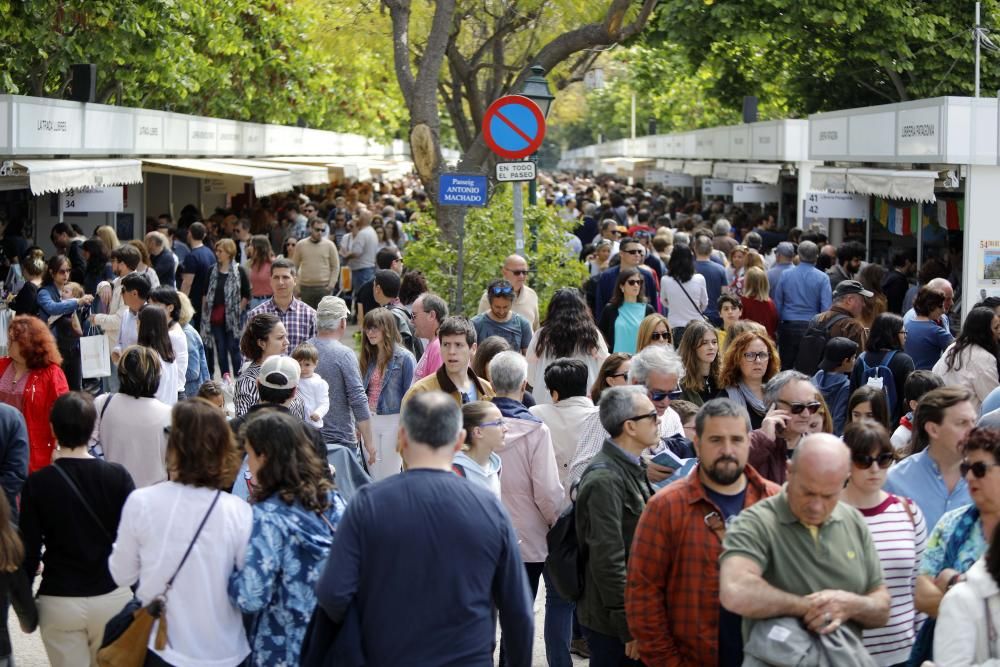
column 158, row 523
column 971, row 361
column 682, row 291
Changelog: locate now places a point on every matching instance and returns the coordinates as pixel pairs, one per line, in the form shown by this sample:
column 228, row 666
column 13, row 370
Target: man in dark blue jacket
column 13, row 455
column 422, row 558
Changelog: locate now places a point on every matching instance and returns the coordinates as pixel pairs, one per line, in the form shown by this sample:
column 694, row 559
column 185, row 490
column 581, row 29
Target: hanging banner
column 716, row 187
column 837, row 205
column 755, row 193
column 95, row 200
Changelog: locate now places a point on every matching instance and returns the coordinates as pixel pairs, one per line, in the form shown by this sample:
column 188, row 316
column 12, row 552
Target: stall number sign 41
column 515, row 171
column 836, row 205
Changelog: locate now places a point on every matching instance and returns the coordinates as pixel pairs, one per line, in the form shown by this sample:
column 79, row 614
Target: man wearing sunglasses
column 792, row 401
column 631, row 253
column 610, row 499
column 525, row 304
column 675, row 617
column 659, row 370
column 803, row 553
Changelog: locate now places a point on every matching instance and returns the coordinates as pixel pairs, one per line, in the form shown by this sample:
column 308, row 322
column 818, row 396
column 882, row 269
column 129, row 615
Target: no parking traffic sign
column 513, row 127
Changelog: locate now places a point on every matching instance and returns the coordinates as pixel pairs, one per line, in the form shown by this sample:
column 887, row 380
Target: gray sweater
column 338, row 365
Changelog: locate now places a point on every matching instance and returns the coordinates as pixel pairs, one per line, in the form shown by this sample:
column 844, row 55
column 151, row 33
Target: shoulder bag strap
column 170, row 582
column 991, row 630
column 104, row 408
column 83, row 501
column 681, row 285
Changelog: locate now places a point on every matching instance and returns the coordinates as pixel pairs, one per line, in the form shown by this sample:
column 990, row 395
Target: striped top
column 900, row 543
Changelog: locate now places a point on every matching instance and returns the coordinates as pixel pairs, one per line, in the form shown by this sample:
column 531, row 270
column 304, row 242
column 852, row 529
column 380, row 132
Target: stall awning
column 697, row 168
column 61, row 175
column 910, row 185
column 829, row 178
column 671, row 166
column 763, row 173
column 302, row 174
column 265, row 181
column 730, row 170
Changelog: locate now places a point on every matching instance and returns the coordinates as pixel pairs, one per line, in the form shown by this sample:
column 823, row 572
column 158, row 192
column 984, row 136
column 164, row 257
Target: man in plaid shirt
column 672, row 596
column 298, row 317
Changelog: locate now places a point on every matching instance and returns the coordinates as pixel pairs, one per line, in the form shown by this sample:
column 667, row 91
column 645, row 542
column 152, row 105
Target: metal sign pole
column 518, row 219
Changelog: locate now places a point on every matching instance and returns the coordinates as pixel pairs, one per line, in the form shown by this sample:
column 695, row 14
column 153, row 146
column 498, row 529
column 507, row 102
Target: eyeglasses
column 519, row 272
column 810, row 408
column 618, row 375
column 502, row 291
column 495, row 422
column 63, row 271
column 978, row 469
column 884, row 460
column 657, row 396
column 756, row 356
column 634, row 283
column 649, row 415
column 656, row 335
column 634, row 251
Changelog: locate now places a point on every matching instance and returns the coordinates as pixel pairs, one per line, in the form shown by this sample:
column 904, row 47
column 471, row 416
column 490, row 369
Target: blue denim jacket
column 397, row 379
column 197, row 370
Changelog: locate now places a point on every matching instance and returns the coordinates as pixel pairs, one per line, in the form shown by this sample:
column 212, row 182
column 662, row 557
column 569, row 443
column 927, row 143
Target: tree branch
column 399, row 11
column 872, row 88
column 437, row 44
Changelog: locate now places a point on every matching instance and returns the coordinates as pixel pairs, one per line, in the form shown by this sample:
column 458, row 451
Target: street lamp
column 536, row 89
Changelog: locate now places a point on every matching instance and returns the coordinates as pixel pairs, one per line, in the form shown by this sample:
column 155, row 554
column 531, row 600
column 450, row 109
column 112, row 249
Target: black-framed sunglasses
column 978, row 469
column 649, row 415
column 657, row 396
column 656, row 335
column 810, row 408
column 618, row 375
column 519, row 272
column 884, row 460
column 634, row 283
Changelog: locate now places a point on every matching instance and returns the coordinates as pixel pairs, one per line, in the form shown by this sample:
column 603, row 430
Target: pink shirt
column 260, row 280
column 430, row 361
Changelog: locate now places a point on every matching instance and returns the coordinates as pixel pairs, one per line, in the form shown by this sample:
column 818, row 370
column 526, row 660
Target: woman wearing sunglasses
column 613, row 373
column 898, row 529
column 628, row 307
column 654, row 330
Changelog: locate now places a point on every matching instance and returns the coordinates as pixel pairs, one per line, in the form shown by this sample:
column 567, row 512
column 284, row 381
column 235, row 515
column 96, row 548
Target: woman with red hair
column 31, row 381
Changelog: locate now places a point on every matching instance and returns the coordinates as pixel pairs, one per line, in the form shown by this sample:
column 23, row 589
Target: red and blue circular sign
column 513, row 127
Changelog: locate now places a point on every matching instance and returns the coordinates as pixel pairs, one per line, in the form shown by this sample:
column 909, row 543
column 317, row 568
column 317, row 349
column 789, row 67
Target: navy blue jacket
column 13, row 454
column 429, row 555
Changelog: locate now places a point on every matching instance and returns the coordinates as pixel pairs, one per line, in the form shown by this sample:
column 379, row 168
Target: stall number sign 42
column 515, row 171
column 836, row 205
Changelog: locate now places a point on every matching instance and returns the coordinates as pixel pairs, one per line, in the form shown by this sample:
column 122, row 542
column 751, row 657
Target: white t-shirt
column 680, row 309
column 365, row 245
column 166, row 392
column 157, row 525
column 179, row 341
column 315, row 394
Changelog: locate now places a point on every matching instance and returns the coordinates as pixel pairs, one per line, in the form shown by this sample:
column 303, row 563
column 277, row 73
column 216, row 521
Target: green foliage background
column 489, row 239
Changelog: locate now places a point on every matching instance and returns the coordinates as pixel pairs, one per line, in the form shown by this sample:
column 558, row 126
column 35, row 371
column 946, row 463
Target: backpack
column 566, row 560
column 405, row 325
column 813, row 343
column 880, row 377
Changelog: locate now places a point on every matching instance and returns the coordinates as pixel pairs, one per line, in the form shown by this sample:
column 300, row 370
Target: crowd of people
column 731, row 444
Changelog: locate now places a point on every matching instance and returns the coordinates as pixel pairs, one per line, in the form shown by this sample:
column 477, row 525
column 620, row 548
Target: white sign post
column 840, row 205
column 755, row 193
column 516, row 171
column 95, row 200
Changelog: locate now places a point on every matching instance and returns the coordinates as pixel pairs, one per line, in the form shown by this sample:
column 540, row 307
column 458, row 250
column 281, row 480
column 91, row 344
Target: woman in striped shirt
column 899, row 532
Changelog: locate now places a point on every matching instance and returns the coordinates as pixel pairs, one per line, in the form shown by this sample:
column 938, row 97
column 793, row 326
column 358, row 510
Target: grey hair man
column 483, row 569
column 803, row 553
column 659, row 370
column 610, row 500
column 793, row 403
column 338, row 365
column 722, row 239
column 802, row 293
column 429, row 311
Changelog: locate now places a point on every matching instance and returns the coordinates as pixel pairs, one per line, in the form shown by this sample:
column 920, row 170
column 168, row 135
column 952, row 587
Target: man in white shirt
column 135, row 290
column 660, row 370
column 360, row 252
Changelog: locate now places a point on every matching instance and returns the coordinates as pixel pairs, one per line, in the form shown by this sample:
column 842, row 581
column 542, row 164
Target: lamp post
column 536, row 89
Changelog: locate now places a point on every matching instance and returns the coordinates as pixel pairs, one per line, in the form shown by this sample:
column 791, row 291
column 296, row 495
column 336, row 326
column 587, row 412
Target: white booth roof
column 43, row 176
column 939, row 130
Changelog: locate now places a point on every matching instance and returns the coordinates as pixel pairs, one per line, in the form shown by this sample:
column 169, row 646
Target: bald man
column 515, row 271
column 804, row 554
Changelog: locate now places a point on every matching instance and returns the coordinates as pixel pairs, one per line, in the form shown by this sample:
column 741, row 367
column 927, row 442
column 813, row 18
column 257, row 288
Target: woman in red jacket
column 31, row 381
column 757, row 305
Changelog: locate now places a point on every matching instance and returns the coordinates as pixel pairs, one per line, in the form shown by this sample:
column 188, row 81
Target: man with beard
column 672, row 596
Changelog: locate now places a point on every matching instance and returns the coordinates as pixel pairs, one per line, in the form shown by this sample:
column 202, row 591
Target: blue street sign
column 462, row 190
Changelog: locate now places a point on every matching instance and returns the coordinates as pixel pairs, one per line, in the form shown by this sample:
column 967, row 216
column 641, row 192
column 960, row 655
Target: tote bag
column 95, row 356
